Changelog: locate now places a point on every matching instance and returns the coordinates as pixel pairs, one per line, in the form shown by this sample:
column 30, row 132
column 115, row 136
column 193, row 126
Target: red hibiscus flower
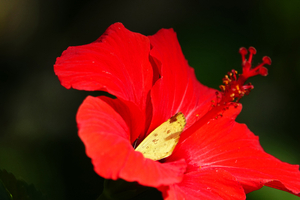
column 215, row 158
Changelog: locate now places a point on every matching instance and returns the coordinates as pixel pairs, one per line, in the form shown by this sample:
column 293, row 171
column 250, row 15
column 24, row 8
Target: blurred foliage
column 13, row 189
column 39, row 141
column 123, row 190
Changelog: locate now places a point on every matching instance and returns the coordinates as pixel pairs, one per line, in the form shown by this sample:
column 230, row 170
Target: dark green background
column 38, row 137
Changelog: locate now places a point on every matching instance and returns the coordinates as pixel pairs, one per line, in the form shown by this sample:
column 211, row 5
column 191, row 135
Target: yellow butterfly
column 161, row 142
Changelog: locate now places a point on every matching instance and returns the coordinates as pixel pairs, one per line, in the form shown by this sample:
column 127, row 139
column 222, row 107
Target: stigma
column 234, row 85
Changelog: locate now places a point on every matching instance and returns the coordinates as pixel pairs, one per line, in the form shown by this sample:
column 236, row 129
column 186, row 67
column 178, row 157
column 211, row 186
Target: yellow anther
column 222, row 87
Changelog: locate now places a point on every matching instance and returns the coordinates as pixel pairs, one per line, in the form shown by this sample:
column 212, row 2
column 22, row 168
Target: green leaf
column 4, row 194
column 14, row 189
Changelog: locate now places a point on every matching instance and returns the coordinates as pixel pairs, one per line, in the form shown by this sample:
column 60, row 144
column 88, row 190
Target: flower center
column 234, row 87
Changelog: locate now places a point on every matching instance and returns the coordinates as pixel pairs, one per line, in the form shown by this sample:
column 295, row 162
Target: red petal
column 205, row 184
column 226, row 144
column 177, row 89
column 129, row 112
column 118, row 62
column 106, row 138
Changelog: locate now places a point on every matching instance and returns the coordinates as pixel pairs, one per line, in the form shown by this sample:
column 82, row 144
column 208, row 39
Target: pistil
column 234, row 87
